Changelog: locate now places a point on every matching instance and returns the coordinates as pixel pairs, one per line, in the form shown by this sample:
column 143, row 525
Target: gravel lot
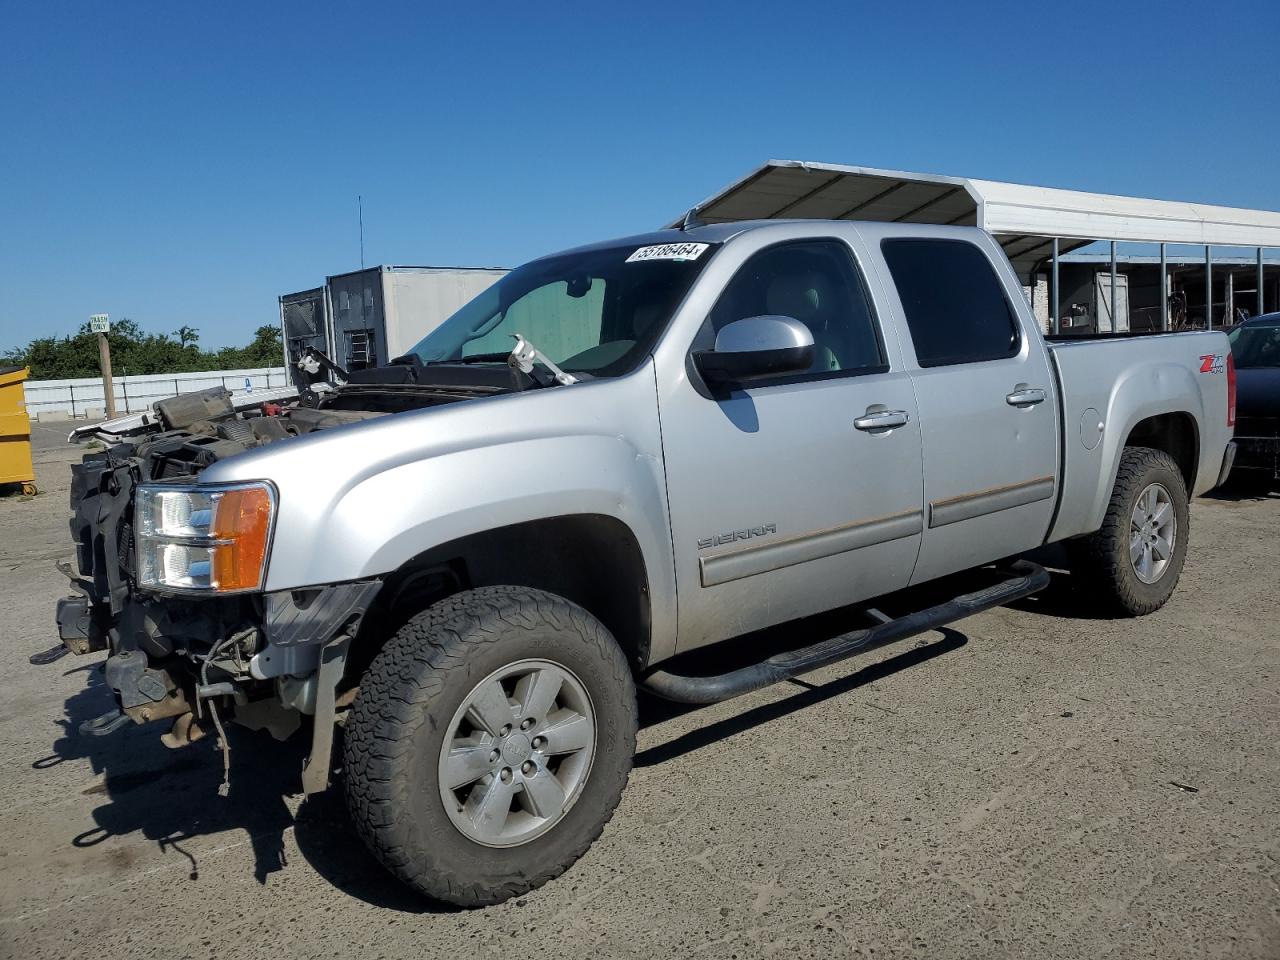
column 1027, row 785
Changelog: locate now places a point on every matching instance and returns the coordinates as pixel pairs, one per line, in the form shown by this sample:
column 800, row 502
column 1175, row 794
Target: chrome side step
column 1021, row 579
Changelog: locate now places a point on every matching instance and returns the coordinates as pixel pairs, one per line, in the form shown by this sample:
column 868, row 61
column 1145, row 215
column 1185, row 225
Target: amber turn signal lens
column 241, row 526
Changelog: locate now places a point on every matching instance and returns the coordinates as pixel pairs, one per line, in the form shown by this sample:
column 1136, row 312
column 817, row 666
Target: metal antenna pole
column 360, row 207
column 1055, row 321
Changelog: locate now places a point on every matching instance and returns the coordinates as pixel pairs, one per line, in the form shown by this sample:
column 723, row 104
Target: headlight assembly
column 203, row 539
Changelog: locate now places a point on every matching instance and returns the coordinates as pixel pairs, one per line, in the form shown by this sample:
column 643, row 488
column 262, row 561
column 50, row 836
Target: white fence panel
column 137, row 393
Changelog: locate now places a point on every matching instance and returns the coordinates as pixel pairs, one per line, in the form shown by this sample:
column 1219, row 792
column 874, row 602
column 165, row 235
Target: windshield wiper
column 524, row 356
column 463, row 361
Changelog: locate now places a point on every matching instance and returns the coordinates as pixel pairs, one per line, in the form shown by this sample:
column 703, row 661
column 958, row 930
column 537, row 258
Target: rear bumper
column 1258, row 454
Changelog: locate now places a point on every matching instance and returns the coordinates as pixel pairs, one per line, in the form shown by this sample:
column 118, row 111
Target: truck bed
column 1118, row 381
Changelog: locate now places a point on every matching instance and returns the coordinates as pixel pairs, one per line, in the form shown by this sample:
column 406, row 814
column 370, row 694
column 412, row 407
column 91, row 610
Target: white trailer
column 378, row 314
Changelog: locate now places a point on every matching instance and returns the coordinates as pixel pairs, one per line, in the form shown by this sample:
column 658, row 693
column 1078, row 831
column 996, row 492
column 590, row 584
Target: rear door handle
column 882, row 420
column 1024, row 396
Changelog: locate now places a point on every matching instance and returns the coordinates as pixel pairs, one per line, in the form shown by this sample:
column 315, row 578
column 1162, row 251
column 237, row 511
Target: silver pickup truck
column 472, row 558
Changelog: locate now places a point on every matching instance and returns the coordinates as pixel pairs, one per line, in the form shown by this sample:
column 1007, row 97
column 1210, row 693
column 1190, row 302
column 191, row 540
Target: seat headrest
column 803, row 296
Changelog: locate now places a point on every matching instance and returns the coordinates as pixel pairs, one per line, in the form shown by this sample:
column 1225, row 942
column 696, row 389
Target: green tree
column 135, row 351
column 265, row 350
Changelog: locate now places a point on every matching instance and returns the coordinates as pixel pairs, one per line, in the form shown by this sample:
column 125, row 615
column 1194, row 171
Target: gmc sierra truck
column 473, row 557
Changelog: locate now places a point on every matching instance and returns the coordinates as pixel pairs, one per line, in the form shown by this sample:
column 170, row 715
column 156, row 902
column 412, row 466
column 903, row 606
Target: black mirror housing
column 728, row 369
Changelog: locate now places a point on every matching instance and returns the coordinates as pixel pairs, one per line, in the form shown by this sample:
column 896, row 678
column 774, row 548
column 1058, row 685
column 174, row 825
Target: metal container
column 378, row 314
column 15, row 432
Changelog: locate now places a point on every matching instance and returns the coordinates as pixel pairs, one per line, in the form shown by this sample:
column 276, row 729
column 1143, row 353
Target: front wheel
column 490, row 743
column 1131, row 565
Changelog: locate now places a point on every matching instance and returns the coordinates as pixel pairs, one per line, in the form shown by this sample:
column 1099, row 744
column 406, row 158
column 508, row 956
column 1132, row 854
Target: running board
column 1021, row 579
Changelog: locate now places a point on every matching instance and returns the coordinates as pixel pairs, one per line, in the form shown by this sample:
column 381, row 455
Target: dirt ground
column 1034, row 783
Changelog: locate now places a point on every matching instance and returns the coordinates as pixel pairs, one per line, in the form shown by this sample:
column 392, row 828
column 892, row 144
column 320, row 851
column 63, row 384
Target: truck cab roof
column 722, row 232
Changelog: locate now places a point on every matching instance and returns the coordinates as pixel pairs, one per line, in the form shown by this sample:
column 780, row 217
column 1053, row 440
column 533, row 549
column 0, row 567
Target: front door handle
column 882, row 420
column 1024, row 396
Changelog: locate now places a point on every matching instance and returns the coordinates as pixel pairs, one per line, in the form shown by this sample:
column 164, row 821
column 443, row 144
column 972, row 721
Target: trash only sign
column 99, row 323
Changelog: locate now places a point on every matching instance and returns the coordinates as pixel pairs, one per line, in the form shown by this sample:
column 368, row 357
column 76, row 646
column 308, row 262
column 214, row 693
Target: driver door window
column 815, row 282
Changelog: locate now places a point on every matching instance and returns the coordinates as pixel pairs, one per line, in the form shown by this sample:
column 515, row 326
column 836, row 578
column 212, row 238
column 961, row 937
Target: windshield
column 597, row 312
column 1256, row 345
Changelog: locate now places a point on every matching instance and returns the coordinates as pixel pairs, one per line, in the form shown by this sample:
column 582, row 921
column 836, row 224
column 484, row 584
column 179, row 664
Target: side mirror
column 755, row 348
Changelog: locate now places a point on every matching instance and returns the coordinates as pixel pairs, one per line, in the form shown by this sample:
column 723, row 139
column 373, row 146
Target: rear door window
column 955, row 305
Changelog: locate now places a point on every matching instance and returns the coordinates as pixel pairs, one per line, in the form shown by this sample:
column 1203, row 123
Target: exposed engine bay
column 178, row 599
column 184, row 658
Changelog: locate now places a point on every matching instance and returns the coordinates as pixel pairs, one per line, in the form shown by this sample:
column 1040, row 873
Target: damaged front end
column 170, row 576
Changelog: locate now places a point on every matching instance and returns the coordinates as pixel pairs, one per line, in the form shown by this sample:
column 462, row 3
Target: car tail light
column 1231, row 390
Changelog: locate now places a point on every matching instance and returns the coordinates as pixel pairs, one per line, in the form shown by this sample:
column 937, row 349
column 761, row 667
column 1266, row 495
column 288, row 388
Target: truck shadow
column 171, row 797
column 654, row 711
column 1064, row 598
column 1250, row 488
column 328, row 840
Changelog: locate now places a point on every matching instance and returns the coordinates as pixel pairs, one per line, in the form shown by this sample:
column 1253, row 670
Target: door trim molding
column 966, row 506
column 760, row 558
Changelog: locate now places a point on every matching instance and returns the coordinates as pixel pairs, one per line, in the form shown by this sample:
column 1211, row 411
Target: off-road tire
column 402, row 714
column 1100, row 562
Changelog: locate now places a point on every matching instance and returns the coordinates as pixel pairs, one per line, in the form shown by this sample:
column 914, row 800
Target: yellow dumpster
column 15, row 432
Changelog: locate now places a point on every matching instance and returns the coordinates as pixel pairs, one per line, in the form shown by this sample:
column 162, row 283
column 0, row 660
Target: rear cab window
column 955, row 305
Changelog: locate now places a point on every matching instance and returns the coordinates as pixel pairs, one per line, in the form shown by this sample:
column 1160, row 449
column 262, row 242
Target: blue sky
column 184, row 164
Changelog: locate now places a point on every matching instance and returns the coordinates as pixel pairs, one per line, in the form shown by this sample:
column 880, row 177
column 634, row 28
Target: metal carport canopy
column 1023, row 218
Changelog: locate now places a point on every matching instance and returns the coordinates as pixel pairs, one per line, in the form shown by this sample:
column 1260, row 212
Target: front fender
column 359, row 501
column 390, row 517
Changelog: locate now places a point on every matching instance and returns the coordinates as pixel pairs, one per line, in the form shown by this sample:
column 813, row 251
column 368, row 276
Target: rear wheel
column 1131, row 565
column 490, row 743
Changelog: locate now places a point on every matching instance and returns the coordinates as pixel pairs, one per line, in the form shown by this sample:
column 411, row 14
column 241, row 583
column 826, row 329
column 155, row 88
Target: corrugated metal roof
column 395, row 268
column 1023, row 218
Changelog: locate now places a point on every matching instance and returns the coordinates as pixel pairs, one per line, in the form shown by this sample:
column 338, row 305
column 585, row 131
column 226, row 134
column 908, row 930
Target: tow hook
column 109, row 722
column 46, row 657
column 185, row 731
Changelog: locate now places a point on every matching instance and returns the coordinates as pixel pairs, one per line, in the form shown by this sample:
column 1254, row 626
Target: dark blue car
column 1255, row 346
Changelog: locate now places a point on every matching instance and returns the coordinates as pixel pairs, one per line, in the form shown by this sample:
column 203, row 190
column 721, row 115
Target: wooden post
column 104, row 357
column 100, row 323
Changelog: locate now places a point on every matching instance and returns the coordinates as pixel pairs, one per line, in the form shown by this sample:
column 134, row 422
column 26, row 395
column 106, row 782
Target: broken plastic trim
column 333, row 660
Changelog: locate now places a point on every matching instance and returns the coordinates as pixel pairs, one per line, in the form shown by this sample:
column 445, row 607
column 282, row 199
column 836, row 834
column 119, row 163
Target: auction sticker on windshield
column 669, row 251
